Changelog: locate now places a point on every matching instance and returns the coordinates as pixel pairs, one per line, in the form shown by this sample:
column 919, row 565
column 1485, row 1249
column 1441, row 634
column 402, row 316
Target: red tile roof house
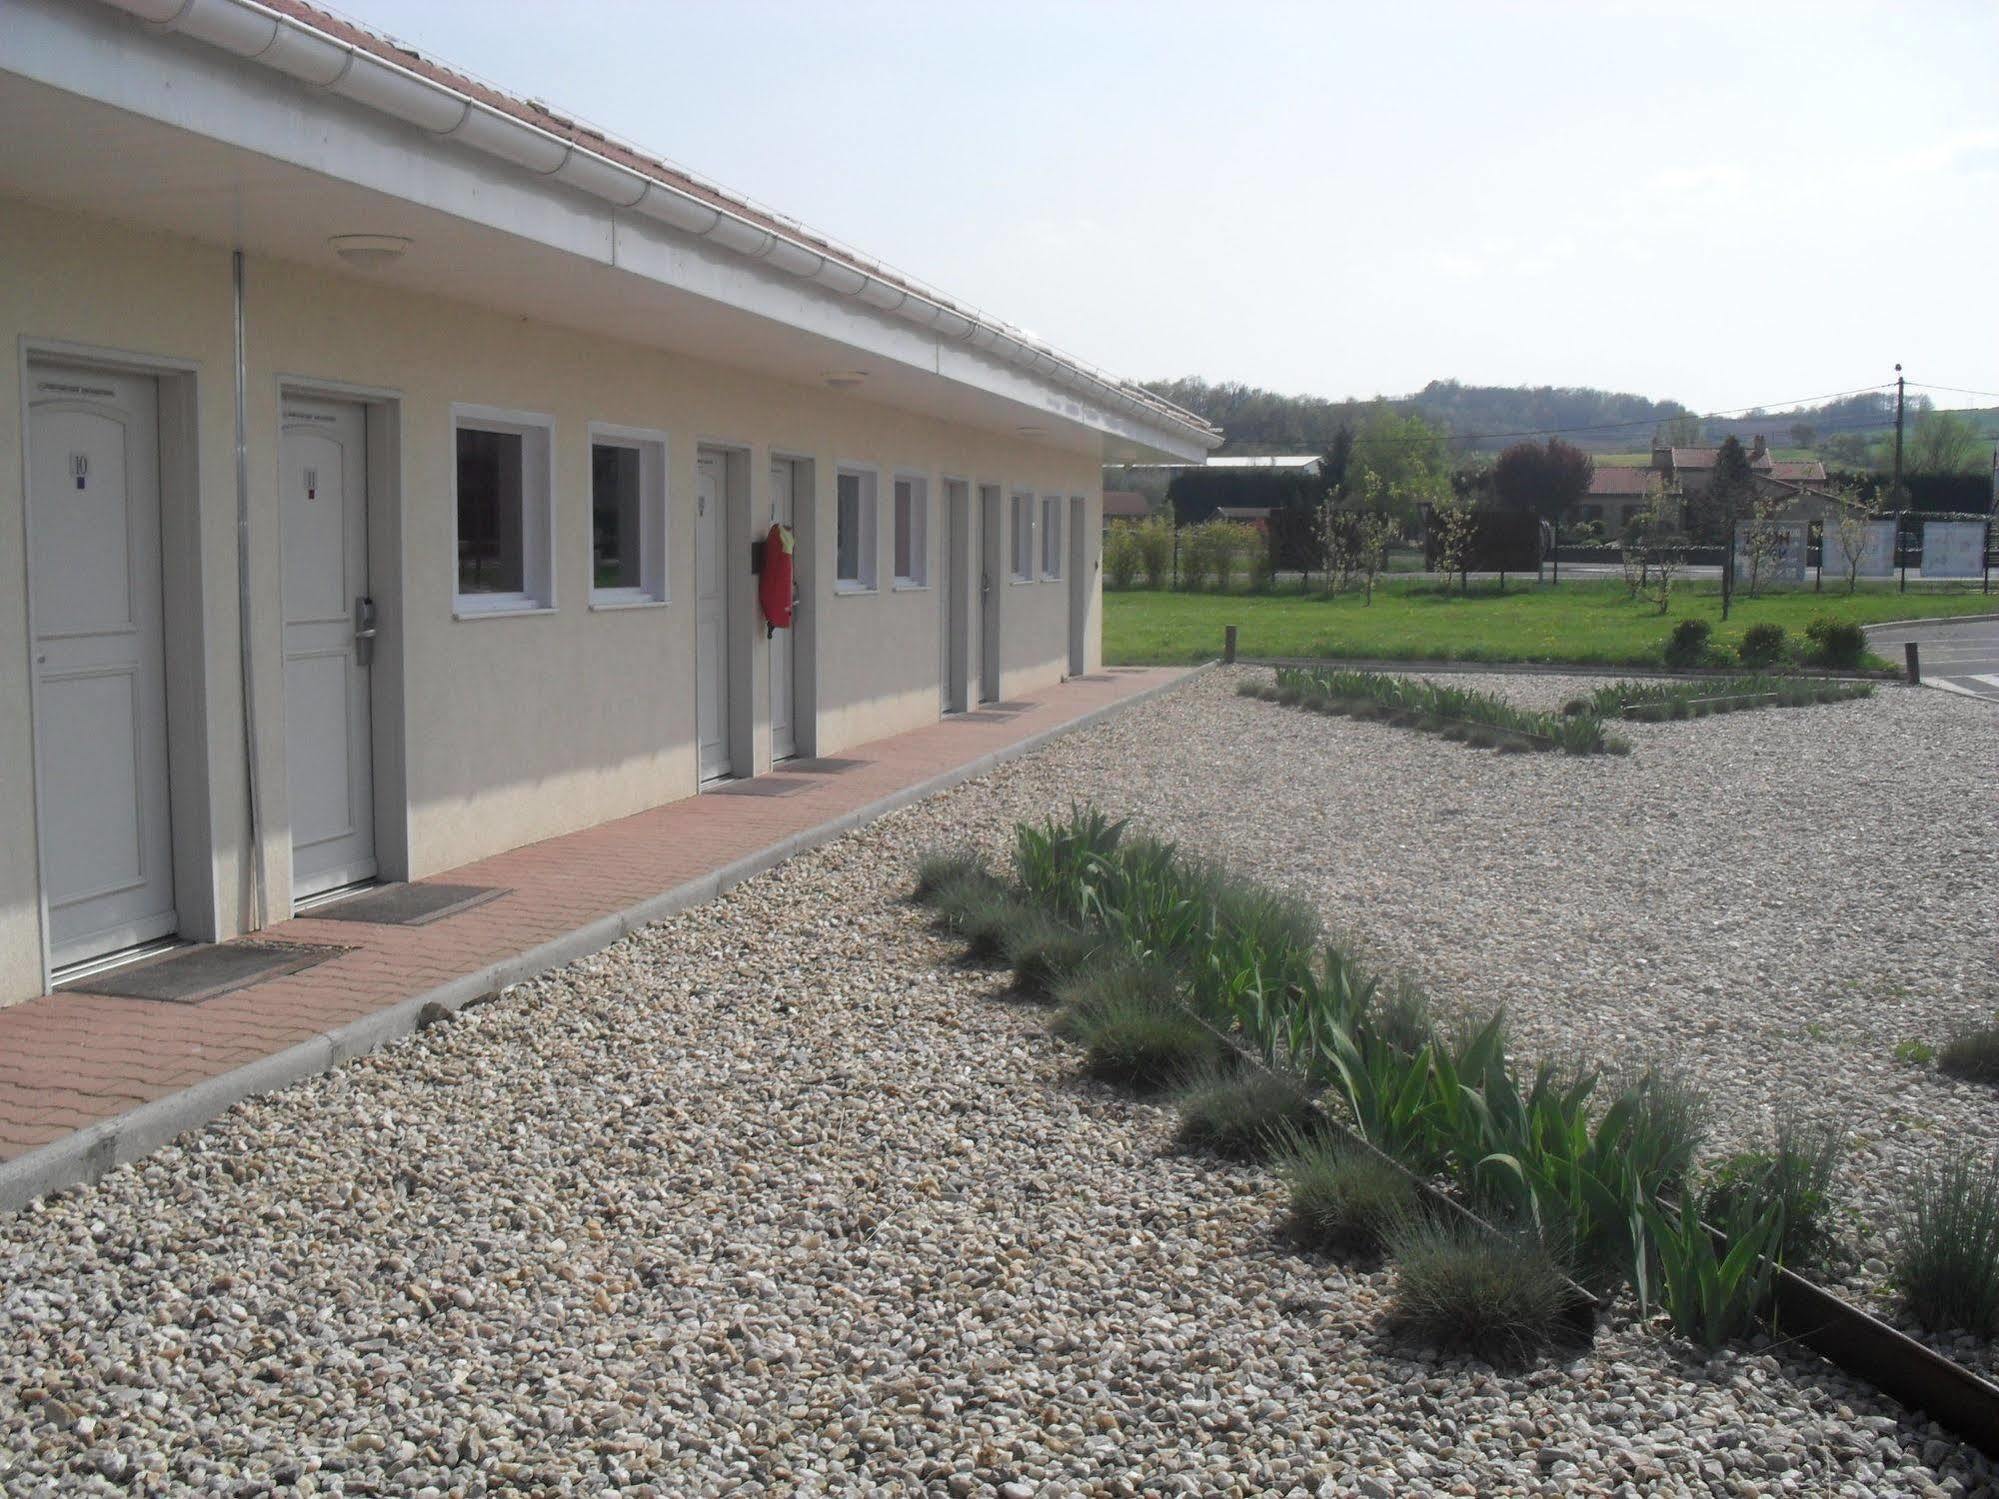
column 1694, row 468
column 512, row 400
column 1125, row 504
column 1618, row 494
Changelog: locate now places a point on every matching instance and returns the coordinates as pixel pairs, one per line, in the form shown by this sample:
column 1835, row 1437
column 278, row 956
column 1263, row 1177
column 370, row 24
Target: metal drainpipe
column 260, row 898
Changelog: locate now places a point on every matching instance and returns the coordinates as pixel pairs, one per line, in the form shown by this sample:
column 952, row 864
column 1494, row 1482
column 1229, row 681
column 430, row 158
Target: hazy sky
column 1726, row 204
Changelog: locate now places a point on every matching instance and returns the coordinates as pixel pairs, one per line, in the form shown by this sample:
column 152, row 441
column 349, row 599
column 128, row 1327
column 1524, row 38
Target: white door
column 991, row 560
column 946, row 597
column 711, row 619
column 99, row 660
column 1079, row 587
column 783, row 674
column 329, row 740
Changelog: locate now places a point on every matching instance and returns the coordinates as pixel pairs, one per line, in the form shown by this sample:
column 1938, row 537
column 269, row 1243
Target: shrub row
column 1837, row 644
column 1480, row 719
column 1655, row 702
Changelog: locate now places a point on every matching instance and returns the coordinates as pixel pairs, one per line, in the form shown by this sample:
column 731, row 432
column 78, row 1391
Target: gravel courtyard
column 777, row 1198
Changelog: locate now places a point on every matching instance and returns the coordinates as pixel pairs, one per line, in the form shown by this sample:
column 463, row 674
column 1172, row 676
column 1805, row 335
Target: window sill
column 1019, row 582
column 461, row 610
column 910, row 585
column 612, row 604
column 852, row 590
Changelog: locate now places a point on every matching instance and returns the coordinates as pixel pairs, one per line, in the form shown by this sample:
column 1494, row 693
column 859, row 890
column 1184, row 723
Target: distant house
column 1246, row 515
column 1618, row 495
column 1692, row 469
column 1123, row 505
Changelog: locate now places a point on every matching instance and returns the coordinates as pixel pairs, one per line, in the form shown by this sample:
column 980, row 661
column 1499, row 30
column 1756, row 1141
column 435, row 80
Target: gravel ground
column 776, row 1198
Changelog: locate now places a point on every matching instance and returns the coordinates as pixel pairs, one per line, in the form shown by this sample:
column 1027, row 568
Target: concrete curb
column 1546, row 669
column 1935, row 619
column 88, row 1154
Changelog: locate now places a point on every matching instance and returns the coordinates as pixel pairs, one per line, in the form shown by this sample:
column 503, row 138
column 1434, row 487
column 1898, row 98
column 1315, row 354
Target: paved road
column 1958, row 657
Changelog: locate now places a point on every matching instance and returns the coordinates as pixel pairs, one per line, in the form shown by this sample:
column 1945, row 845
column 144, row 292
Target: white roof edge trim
column 252, row 31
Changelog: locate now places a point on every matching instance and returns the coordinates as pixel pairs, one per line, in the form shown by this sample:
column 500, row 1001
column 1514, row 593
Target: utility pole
column 1900, row 545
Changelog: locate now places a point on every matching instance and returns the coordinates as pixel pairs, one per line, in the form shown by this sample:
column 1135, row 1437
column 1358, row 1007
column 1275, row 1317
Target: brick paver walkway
column 70, row 1059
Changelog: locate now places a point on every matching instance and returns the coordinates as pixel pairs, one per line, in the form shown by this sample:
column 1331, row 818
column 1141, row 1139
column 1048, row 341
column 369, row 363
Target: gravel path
column 776, row 1198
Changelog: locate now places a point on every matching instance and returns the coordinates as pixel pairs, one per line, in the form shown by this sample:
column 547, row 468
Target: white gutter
column 248, row 29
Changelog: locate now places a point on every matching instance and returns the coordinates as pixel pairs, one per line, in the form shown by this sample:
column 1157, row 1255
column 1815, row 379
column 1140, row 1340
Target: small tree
column 1728, row 494
column 1122, row 559
column 1850, row 523
column 1763, row 535
column 1454, row 526
column 1665, row 551
column 1153, row 538
column 1338, row 543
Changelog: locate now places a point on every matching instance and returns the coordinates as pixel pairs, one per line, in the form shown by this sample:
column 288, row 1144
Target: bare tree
column 1851, row 523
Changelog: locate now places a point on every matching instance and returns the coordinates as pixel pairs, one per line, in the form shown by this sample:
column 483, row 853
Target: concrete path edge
column 92, row 1152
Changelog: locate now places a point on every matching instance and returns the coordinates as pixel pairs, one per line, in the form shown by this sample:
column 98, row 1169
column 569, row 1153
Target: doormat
column 761, row 786
column 408, row 905
column 192, row 974
column 819, row 766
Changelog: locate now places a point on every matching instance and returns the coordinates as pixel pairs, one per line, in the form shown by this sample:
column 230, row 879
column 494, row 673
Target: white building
column 382, row 460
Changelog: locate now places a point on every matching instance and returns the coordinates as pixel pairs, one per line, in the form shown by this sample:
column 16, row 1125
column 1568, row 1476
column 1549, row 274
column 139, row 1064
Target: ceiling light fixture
column 1032, row 431
column 844, row 379
column 370, row 252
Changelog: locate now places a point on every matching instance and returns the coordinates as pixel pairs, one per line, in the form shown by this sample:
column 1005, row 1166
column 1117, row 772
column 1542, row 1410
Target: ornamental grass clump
column 1043, row 949
column 1345, row 1199
column 1241, row 1113
column 983, row 912
column 1948, row 1265
column 1500, row 1298
column 1973, row 1055
column 1795, row 1175
column 1143, row 1040
column 935, row 871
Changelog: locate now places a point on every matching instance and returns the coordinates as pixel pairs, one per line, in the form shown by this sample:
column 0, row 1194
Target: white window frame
column 654, row 519
column 868, row 544
column 919, row 526
column 1020, row 537
column 536, row 431
column 1051, row 537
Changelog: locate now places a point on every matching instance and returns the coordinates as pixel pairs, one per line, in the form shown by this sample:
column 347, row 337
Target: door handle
column 364, row 628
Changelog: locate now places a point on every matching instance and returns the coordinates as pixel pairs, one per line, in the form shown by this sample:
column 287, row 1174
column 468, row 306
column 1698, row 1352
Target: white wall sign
column 1877, row 550
column 1784, row 563
column 1953, row 548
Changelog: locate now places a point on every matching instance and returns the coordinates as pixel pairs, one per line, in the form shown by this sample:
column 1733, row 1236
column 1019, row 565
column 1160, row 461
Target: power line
column 1957, row 390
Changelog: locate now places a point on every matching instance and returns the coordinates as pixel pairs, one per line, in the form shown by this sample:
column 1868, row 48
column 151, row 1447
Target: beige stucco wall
column 515, row 728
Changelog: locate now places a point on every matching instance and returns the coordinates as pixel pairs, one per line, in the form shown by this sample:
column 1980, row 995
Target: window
column 854, row 527
column 912, row 533
column 503, row 512
column 1051, row 537
column 627, row 517
column 1023, row 538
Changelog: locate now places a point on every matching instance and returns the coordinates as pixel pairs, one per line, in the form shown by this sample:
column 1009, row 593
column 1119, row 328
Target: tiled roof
column 1617, row 479
column 1705, row 458
column 1808, row 472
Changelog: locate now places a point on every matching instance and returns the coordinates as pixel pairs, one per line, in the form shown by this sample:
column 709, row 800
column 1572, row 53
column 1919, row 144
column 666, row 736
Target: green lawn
column 1589, row 621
